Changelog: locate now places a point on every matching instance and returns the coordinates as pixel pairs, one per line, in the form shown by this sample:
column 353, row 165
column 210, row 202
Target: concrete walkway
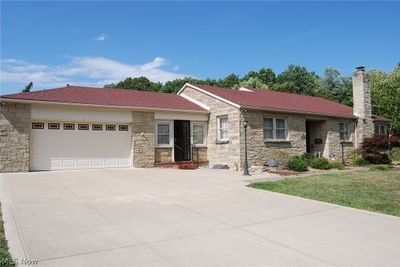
column 162, row 217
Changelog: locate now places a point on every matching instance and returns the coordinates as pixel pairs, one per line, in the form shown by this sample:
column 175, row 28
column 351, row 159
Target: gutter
column 23, row 101
column 244, row 108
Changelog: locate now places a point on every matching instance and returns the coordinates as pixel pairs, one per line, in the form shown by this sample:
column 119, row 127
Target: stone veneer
column 362, row 105
column 259, row 150
column 14, row 137
column 163, row 154
column 220, row 153
column 143, row 132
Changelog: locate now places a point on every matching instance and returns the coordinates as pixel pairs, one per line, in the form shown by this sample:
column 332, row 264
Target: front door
column 182, row 140
column 308, row 139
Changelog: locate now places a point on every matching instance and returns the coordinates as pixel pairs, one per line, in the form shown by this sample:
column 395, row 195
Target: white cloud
column 95, row 71
column 102, row 37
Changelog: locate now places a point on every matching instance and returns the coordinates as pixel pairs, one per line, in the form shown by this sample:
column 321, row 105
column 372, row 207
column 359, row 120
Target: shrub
column 281, row 157
column 381, row 168
column 307, row 157
column 336, row 165
column 352, row 154
column 376, row 158
column 395, row 154
column 297, row 164
column 320, row 163
column 359, row 161
column 375, row 149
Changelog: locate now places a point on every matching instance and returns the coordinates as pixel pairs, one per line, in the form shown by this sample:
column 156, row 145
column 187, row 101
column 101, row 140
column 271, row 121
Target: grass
column 5, row 257
column 377, row 190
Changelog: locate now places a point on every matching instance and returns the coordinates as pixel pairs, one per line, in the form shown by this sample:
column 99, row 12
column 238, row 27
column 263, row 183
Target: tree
column 255, row 83
column 267, row 76
column 300, row 80
column 385, row 95
column 28, row 87
column 137, row 83
column 230, row 81
column 335, row 87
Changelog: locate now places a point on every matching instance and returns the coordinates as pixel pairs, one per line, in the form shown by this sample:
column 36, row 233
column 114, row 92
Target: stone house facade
column 101, row 128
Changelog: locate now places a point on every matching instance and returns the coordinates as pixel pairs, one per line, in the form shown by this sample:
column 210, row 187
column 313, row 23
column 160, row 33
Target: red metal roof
column 109, row 97
column 267, row 99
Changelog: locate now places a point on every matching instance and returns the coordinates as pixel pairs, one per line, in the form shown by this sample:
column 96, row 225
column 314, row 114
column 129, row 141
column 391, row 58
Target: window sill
column 199, row 145
column 276, row 141
column 163, row 146
column 221, row 142
column 346, row 142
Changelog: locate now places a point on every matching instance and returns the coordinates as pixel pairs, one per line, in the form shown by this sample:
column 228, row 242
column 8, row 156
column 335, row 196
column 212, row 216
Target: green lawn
column 377, row 191
column 5, row 258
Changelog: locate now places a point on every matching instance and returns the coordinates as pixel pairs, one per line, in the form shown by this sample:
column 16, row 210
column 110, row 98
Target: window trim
column 123, row 125
column 274, row 129
column 171, row 133
column 219, row 128
column 55, row 123
column 385, row 127
column 66, row 124
column 38, row 123
column 197, row 123
column 101, row 128
column 83, row 124
column 348, row 131
column 111, row 127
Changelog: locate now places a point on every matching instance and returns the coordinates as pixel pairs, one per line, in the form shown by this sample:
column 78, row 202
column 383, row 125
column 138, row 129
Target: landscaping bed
column 375, row 190
column 5, row 257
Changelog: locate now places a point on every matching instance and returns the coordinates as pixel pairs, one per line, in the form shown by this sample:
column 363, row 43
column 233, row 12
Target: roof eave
column 27, row 101
column 299, row 112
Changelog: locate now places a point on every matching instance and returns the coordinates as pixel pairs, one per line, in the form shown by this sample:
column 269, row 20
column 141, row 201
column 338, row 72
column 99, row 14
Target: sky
column 94, row 43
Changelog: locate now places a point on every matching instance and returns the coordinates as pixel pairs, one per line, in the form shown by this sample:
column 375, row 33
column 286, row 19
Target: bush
column 376, row 158
column 320, row 163
column 297, row 164
column 355, row 153
column 307, row 157
column 336, row 165
column 395, row 154
column 359, row 161
column 375, row 149
column 381, row 168
column 281, row 157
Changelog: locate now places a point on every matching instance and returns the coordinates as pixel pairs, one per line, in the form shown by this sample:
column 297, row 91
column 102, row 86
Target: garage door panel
column 70, row 149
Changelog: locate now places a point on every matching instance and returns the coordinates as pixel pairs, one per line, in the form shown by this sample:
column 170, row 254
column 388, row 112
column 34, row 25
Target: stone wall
column 220, row 153
column 200, row 154
column 15, row 120
column 259, row 150
column 334, row 142
column 362, row 106
column 143, row 134
column 163, row 154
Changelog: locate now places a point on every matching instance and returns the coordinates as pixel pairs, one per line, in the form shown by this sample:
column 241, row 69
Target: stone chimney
column 362, row 108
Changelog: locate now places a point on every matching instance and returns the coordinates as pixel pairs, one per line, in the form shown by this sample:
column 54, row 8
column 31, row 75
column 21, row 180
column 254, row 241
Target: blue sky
column 92, row 43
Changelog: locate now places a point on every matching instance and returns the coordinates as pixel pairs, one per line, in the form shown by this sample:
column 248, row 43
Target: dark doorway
column 308, row 139
column 182, row 140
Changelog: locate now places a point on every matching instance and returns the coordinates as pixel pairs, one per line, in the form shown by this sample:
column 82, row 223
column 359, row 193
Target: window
column 123, row 127
column 83, row 127
column 53, row 126
column 198, row 133
column 37, row 125
column 97, row 127
column 163, row 134
column 69, row 126
column 274, row 129
column 381, row 129
column 344, row 131
column 110, row 127
column 223, row 133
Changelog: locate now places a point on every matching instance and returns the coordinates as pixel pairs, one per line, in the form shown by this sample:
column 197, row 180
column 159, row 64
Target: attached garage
column 79, row 138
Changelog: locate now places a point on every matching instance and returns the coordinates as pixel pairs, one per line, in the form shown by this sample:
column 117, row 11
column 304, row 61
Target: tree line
column 385, row 86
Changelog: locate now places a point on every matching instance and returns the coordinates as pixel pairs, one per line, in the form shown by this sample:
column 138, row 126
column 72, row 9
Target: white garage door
column 58, row 145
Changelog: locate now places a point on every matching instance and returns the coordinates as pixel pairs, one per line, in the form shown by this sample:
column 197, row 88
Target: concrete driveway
column 163, row 217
